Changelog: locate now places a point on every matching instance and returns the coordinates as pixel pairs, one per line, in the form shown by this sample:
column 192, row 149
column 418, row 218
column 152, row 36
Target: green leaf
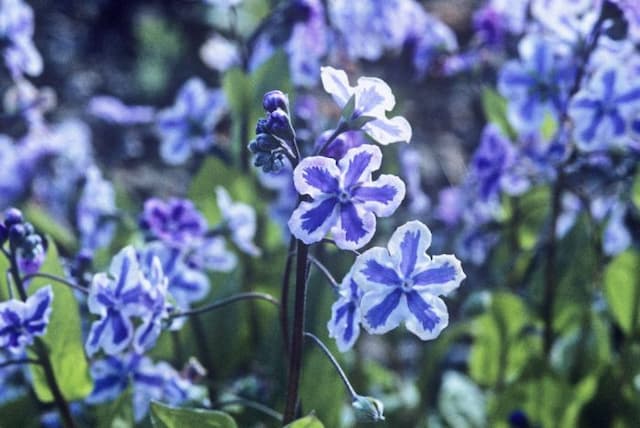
column 495, row 109
column 63, row 339
column 635, row 191
column 307, row 422
column 163, row 416
column 622, row 290
column 549, row 126
column 118, row 414
column 501, row 350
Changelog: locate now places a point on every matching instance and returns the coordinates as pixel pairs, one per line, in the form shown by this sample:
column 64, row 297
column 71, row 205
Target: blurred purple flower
column 95, row 211
column 307, row 44
column 603, row 109
column 616, row 237
column 112, row 109
column 536, row 85
column 402, row 283
column 345, row 199
column 188, row 126
column 240, row 220
column 450, row 205
column 21, row 322
column 16, row 31
column 219, row 53
column 175, row 222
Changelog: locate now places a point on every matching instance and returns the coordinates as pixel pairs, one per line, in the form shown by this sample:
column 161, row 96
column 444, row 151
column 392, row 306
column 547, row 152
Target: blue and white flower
column 188, row 126
column 240, row 220
column 155, row 299
column 603, row 109
column 16, row 31
column 116, row 297
column 401, row 283
column 344, row 325
column 21, row 322
column 373, row 98
column 95, row 212
column 344, row 199
column 536, row 85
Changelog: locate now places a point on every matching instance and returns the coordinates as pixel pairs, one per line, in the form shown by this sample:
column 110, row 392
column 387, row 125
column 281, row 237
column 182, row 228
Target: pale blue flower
column 21, row 322
column 401, row 283
column 344, row 325
column 240, row 219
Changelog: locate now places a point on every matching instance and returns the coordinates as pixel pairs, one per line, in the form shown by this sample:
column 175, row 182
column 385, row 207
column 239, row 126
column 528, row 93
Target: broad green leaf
column 622, row 290
column 495, row 110
column 501, row 349
column 163, row 416
column 63, row 338
column 307, row 422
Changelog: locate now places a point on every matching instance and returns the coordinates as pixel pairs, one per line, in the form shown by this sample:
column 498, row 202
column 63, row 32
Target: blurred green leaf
column 495, row 110
column 63, row 338
column 119, row 413
column 49, row 226
column 635, row 191
column 307, row 422
column 622, row 290
column 549, row 126
column 500, row 348
column 163, row 416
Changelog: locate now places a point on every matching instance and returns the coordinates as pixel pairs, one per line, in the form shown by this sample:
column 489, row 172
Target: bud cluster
column 24, row 242
column 274, row 134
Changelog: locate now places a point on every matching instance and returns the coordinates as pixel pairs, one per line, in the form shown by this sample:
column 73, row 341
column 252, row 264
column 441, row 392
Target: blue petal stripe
column 41, row 308
column 589, row 133
column 422, row 311
column 124, row 273
column 315, row 217
column 351, row 223
column 375, row 272
column 378, row 314
column 356, row 167
column 348, row 331
column 438, row 275
column 608, row 81
column 321, row 179
column 383, row 194
column 632, row 95
column 119, row 327
column 409, row 252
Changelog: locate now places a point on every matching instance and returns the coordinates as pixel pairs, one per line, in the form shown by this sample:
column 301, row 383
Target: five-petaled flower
column 176, row 222
column 344, row 325
column 344, row 198
column 188, row 126
column 402, row 283
column 602, row 110
column 372, row 97
column 116, row 297
column 20, row 321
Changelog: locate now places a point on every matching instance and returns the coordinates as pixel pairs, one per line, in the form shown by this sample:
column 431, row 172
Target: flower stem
column 343, row 376
column 342, row 127
column 41, row 352
column 226, row 301
column 56, row 278
column 251, row 404
column 297, row 337
column 322, row 268
column 550, row 267
column 284, row 297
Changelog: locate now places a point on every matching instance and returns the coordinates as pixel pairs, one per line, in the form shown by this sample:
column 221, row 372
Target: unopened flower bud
column 368, row 409
column 278, row 124
column 12, row 216
column 274, row 100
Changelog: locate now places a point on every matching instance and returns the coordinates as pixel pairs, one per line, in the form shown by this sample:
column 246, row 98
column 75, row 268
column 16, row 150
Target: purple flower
column 188, row 126
column 341, row 144
column 116, row 297
column 155, row 301
column 603, row 109
column 240, row 220
column 372, row 99
column 344, row 325
column 307, row 44
column 112, row 109
column 95, row 211
column 21, row 322
column 402, row 283
column 344, row 198
column 536, row 85
column 212, row 254
column 175, row 222
column 220, row 53
column 16, row 31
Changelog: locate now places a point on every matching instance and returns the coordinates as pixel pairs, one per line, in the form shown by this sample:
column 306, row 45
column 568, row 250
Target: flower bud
column 274, row 100
column 278, row 124
column 12, row 216
column 17, row 233
column 368, row 409
column 261, row 126
column 266, row 143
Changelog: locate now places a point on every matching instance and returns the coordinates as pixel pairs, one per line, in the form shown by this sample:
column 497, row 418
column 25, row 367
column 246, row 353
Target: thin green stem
column 226, row 301
column 297, row 337
column 251, row 404
column 341, row 373
column 342, row 127
column 56, row 278
column 322, row 268
column 284, row 296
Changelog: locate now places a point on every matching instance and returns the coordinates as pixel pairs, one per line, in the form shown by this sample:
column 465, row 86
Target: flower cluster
column 24, row 242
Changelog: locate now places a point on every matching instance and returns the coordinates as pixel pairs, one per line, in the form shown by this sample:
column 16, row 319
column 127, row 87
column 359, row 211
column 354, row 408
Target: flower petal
column 316, row 176
column 336, row 83
column 373, row 269
column 344, row 325
column 439, row 276
column 429, row 315
column 355, row 228
column 373, row 97
column 311, row 221
column 408, row 246
column 383, row 311
column 358, row 164
column 387, row 131
column 382, row 196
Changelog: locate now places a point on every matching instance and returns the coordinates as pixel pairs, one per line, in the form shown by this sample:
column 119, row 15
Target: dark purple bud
column 261, row 126
column 278, row 124
column 274, row 100
column 266, row 143
column 12, row 216
column 253, row 146
column 17, row 234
